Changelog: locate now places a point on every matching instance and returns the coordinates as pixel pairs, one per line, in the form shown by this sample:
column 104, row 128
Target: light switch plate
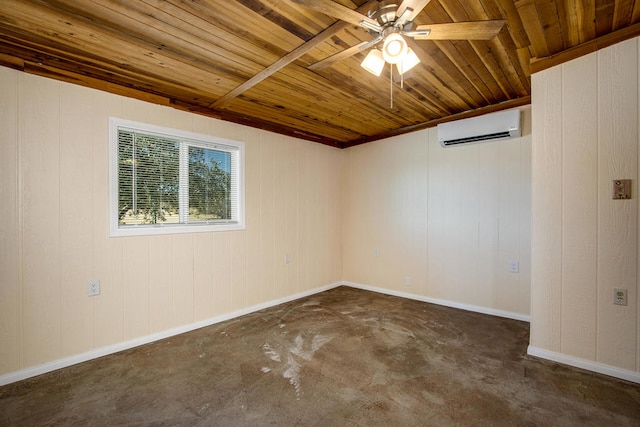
column 621, row 189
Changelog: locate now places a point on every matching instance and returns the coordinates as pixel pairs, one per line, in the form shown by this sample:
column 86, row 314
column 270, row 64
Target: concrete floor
column 344, row 357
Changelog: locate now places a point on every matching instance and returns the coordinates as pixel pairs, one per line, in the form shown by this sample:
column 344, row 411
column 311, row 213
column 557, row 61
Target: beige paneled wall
column 447, row 221
column 54, row 228
column 585, row 128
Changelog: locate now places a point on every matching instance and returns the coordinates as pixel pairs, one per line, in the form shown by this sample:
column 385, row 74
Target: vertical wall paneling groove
column 238, row 270
column 40, row 121
column 76, row 219
column 183, row 278
column 580, row 183
column 254, row 278
column 546, row 209
column 487, row 185
column 435, row 217
column 525, row 220
column 267, row 221
column 161, row 282
column 54, row 234
column 587, row 108
column 636, row 194
column 137, row 301
column 203, row 295
column 10, row 241
column 617, row 245
column 108, row 254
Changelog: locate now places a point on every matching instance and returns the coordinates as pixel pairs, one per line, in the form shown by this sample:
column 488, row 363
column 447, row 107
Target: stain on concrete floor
column 345, row 357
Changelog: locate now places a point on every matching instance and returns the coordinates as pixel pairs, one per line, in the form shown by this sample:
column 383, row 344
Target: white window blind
column 167, row 181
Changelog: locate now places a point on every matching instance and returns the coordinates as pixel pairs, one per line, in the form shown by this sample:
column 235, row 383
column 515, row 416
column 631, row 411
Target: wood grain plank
column 94, row 39
column 224, row 23
column 485, row 52
column 622, row 14
column 515, row 26
column 329, row 61
column 554, row 20
column 284, row 61
column 635, row 14
column 604, row 14
column 336, row 10
column 531, row 20
column 283, row 16
column 445, row 13
column 506, row 43
column 466, row 59
column 495, row 73
column 579, row 29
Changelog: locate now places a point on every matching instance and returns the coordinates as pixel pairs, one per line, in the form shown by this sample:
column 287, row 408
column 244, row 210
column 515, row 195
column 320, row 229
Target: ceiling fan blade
column 475, row 30
column 336, row 10
column 330, row 60
column 414, row 7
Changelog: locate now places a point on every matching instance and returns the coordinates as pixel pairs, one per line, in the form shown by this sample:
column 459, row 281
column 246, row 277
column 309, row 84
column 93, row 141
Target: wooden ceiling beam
column 289, row 58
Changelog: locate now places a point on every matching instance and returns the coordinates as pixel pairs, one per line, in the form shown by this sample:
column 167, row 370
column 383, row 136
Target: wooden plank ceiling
column 247, row 61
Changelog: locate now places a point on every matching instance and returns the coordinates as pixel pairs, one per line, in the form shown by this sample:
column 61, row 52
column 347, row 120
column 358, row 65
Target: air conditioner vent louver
column 490, row 127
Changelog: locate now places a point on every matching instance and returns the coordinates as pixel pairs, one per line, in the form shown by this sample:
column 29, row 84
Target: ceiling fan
column 391, row 24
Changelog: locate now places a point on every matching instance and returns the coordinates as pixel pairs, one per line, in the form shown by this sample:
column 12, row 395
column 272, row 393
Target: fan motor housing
column 385, row 15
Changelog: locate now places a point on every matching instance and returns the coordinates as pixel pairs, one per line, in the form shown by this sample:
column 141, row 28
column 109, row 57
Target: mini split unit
column 490, row 127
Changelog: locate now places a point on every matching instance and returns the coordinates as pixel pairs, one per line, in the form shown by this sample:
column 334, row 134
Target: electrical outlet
column 620, row 296
column 407, row 281
column 93, row 288
column 287, row 258
column 376, row 252
column 514, row 266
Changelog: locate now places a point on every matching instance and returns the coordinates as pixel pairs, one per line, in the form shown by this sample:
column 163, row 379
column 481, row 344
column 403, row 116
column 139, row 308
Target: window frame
column 186, row 139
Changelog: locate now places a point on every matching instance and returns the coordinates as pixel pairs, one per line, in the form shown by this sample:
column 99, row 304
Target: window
column 170, row 181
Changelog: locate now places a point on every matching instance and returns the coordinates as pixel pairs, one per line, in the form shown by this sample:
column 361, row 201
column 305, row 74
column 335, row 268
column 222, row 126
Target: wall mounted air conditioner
column 490, row 127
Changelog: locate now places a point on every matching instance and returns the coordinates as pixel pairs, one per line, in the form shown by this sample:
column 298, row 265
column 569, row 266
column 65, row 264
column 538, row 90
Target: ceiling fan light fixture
column 409, row 61
column 373, row 62
column 394, row 48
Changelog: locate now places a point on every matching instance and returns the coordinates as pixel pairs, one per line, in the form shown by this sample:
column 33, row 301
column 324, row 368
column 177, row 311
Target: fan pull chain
column 391, row 84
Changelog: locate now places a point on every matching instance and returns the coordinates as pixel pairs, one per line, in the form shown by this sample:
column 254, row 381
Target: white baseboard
column 446, row 303
column 588, row 365
column 104, row 351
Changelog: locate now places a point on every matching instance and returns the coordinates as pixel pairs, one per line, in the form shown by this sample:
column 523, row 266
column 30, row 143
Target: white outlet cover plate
column 93, row 288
